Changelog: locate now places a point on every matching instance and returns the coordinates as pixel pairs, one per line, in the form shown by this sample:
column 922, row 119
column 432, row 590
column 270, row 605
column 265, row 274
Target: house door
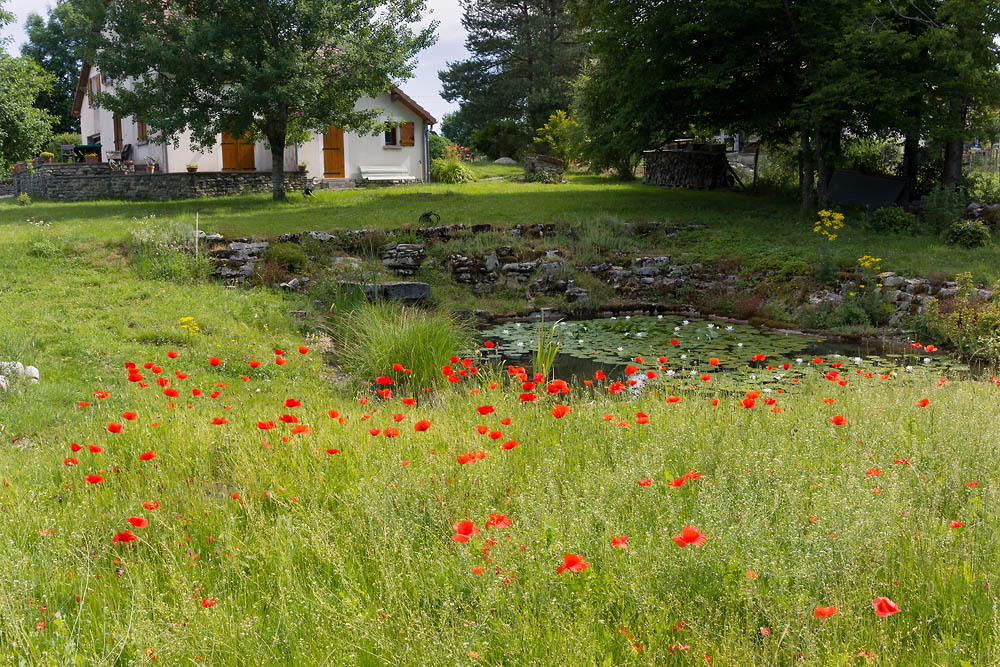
column 118, row 132
column 237, row 154
column 333, row 153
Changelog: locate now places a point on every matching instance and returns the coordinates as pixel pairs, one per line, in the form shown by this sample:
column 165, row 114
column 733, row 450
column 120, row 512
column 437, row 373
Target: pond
column 610, row 345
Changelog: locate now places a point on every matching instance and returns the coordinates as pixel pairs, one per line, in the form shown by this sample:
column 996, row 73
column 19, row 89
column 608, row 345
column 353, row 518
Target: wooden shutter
column 229, row 160
column 141, row 133
column 406, row 134
column 116, row 119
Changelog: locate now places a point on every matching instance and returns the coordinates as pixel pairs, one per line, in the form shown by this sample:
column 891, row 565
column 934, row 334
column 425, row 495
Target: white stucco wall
column 371, row 151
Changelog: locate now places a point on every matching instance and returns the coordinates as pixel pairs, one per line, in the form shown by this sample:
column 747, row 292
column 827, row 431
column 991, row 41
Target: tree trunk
column 821, row 175
column 806, row 175
column 277, row 167
column 908, row 168
column 756, row 159
column 952, row 162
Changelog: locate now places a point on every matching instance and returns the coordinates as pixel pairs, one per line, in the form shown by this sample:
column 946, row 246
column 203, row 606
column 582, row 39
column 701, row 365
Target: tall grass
column 372, row 337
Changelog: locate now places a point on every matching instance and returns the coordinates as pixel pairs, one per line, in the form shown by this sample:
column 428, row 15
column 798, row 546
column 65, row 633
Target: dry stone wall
column 83, row 182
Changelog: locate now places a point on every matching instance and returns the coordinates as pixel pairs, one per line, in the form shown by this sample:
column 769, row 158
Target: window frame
column 395, row 137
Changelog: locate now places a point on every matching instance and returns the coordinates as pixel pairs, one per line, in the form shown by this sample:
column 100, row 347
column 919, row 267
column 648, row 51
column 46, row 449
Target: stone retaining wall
column 6, row 188
column 82, row 182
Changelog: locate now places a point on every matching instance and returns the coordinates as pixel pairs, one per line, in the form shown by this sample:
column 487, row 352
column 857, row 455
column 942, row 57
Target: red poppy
column 289, row 419
column 619, row 541
column 298, row 429
column 976, row 483
column 384, row 380
column 75, row 447
column 83, row 404
column 384, row 393
column 679, row 482
column 824, row 612
column 689, row 535
column 374, row 431
column 124, row 536
column 559, row 411
column 505, row 421
column 645, row 482
column 497, row 521
column 748, row 403
column 409, row 401
column 94, row 479
column 138, row 521
column 147, row 456
column 150, row 505
column 463, row 531
column 303, row 349
column 398, row 417
column 172, row 354
column 279, row 361
column 265, row 426
column 495, row 435
column 421, row 425
column 573, row 563
column 170, row 393
column 641, row 418
column 292, row 403
column 331, row 451
column 390, row 432
column 871, row 472
column 510, row 444
column 254, row 364
column 115, row 428
column 485, row 409
column 218, row 421
column 70, row 461
column 527, row 397
column 214, row 361
column 956, row 524
column 208, row 602
column 884, row 607
column 94, row 449
column 902, row 461
column 837, row 420
column 922, row 403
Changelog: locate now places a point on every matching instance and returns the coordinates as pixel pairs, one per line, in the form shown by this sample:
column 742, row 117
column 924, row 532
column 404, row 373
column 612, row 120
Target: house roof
column 396, row 95
column 81, row 89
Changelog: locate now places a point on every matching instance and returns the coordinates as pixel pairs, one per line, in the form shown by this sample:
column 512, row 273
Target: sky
column 424, row 87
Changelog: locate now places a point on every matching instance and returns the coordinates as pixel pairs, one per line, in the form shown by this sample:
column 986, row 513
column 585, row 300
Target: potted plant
column 150, row 164
column 46, row 156
column 191, row 168
column 90, row 157
column 302, row 166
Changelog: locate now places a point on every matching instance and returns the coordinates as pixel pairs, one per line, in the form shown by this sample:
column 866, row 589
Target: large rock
column 504, row 160
column 403, row 258
column 403, row 291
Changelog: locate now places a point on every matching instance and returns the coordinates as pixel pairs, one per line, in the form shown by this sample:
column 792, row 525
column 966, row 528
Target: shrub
column 983, row 188
column 372, row 337
column 451, row 170
column 893, row 221
column 24, row 199
column 968, row 234
column 63, row 139
column 943, row 206
column 437, row 146
column 45, row 249
column 967, row 326
column 289, row 257
column 561, row 137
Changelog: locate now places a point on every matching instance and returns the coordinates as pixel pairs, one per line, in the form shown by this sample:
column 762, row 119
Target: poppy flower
column 641, row 418
column 384, row 393
column 138, row 521
column 94, row 479
column 956, row 524
column 463, row 531
column 208, row 602
column 75, row 447
column 495, row 435
column 124, row 536
column 510, row 444
column 824, row 612
column 218, row 421
column 527, row 397
column 254, row 364
column 689, row 535
column 871, row 472
column 147, row 456
column 573, row 563
column 421, row 425
column 902, row 461
column 332, row 451
column 170, row 393
column 374, row 431
column 396, row 417
column 972, row 484
column 384, row 380
column 390, row 432
column 466, row 458
column 485, row 409
column 280, row 361
column 299, row 429
column 292, row 403
column 150, row 505
column 679, row 482
column 712, row 361
column 922, row 403
column 645, row 482
column 673, row 399
column 70, row 461
column 409, row 401
column 559, row 411
column 214, row 361
column 83, row 404
column 265, row 426
column 172, row 354
column 692, row 474
column 303, row 349
column 619, row 541
column 837, row 420
column 884, row 607
column 748, row 403
column 289, row 419
column 114, row 428
column 497, row 521
column 94, row 449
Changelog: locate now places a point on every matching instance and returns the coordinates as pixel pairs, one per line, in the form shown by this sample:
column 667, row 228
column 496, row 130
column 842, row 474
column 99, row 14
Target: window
column 390, row 137
column 141, row 133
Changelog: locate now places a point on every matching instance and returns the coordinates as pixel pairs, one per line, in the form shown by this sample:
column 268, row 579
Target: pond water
column 609, row 345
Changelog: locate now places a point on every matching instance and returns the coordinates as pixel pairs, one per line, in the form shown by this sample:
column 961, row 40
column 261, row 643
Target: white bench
column 385, row 174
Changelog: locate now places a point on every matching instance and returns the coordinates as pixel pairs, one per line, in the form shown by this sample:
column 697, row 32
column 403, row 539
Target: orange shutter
column 406, row 134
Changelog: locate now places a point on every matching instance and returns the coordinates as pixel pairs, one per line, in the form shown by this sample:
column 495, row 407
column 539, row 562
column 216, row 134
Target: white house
column 337, row 157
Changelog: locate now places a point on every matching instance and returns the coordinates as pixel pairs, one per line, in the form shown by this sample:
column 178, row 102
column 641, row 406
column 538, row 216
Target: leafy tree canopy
column 53, row 44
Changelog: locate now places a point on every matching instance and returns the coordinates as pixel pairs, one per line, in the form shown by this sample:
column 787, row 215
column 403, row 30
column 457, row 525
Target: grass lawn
column 283, row 553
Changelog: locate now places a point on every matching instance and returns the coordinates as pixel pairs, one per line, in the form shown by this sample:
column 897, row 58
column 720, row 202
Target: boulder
column 403, row 258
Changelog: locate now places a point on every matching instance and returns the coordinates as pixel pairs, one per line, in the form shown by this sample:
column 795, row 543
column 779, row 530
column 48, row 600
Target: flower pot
column 46, row 159
column 90, row 160
column 150, row 168
column 302, row 167
column 191, row 170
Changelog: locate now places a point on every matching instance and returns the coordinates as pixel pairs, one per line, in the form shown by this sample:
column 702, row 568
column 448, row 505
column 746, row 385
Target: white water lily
column 711, row 326
column 684, row 356
column 729, row 328
column 767, row 390
column 857, row 360
column 909, row 368
column 670, row 373
column 927, row 360
column 659, row 317
column 798, row 361
column 506, row 331
column 739, row 344
column 640, row 334
column 685, row 323
column 677, row 328
column 620, row 349
column 628, row 317
column 520, row 344
column 517, row 324
column 580, row 341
